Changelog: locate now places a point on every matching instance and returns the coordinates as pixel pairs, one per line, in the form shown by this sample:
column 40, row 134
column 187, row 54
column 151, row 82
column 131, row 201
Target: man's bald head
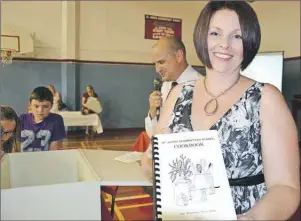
column 171, row 44
column 169, row 57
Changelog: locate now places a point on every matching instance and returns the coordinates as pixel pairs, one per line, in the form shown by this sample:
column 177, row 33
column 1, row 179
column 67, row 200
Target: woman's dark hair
column 41, row 94
column 250, row 28
column 7, row 113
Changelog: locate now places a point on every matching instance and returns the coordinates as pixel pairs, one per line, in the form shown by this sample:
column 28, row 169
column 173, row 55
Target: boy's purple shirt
column 38, row 136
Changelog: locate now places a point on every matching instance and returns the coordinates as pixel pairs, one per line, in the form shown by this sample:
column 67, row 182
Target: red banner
column 156, row 27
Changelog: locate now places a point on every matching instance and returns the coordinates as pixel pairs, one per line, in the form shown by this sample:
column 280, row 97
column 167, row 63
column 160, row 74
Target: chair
column 105, row 215
column 141, row 144
column 112, row 190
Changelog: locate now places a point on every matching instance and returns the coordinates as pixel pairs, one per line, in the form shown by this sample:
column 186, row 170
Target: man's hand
column 155, row 100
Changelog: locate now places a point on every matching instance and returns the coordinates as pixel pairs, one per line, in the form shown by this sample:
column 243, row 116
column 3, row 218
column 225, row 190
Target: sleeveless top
column 55, row 105
column 239, row 132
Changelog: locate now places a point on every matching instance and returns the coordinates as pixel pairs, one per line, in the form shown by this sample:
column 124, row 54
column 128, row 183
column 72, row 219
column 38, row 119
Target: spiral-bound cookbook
column 190, row 179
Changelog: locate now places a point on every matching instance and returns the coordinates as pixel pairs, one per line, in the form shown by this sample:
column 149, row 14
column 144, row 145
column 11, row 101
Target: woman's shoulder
column 198, row 82
column 271, row 93
column 193, row 83
column 272, row 100
column 251, row 83
column 200, row 79
column 188, row 86
column 267, row 90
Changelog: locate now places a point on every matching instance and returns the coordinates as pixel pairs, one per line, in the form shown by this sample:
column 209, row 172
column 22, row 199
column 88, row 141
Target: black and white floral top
column 239, row 133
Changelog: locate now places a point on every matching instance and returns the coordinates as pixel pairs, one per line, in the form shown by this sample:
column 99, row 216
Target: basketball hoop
column 7, row 56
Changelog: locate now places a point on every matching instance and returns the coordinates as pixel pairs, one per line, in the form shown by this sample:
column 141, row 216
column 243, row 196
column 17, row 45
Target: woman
column 85, row 110
column 10, row 130
column 259, row 144
column 58, row 104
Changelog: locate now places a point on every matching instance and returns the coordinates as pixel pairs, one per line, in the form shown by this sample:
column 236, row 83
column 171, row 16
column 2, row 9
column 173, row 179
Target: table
column 95, row 167
column 75, row 118
column 115, row 173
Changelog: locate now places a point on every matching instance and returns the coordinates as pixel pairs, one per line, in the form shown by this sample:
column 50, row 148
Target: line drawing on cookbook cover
column 192, row 180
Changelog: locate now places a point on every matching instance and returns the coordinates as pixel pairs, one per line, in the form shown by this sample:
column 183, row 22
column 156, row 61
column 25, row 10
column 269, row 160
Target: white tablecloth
column 113, row 172
column 75, row 118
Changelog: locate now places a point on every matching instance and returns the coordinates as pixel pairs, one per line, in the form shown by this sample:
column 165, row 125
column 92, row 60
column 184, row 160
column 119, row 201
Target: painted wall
column 123, row 92
column 114, row 31
column 118, row 28
column 280, row 24
column 19, row 79
column 41, row 19
column 123, row 89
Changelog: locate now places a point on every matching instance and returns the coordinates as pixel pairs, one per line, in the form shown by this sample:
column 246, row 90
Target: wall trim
column 110, row 130
column 133, row 129
column 292, row 58
column 88, row 61
column 111, row 62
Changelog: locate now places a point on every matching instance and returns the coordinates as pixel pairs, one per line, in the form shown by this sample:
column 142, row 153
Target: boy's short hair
column 41, row 94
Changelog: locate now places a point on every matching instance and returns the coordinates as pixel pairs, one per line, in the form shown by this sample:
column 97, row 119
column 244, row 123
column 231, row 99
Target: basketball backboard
column 16, row 39
column 10, row 42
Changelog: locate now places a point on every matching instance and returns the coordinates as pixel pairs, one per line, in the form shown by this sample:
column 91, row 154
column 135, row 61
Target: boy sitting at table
column 40, row 129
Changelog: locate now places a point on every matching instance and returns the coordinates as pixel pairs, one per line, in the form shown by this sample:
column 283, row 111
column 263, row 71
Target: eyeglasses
column 7, row 133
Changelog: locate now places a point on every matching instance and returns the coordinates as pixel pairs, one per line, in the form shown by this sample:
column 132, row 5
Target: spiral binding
column 156, row 180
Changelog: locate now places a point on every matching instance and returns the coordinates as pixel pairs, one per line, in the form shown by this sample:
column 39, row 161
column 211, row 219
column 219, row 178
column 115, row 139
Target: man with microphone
column 169, row 57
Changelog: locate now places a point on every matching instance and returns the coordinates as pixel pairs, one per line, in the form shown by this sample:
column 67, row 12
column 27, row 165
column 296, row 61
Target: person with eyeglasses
column 10, row 130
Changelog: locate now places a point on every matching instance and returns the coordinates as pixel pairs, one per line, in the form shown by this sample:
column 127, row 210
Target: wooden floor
column 132, row 203
column 109, row 140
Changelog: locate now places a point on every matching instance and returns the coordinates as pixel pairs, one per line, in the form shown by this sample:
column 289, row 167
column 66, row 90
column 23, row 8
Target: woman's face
column 225, row 46
column 7, row 129
column 89, row 91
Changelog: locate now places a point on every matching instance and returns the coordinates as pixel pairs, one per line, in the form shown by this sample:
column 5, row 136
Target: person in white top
column 56, row 99
column 169, row 57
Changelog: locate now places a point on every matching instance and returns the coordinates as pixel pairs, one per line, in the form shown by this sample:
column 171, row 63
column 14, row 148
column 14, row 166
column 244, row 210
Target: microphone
column 157, row 86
